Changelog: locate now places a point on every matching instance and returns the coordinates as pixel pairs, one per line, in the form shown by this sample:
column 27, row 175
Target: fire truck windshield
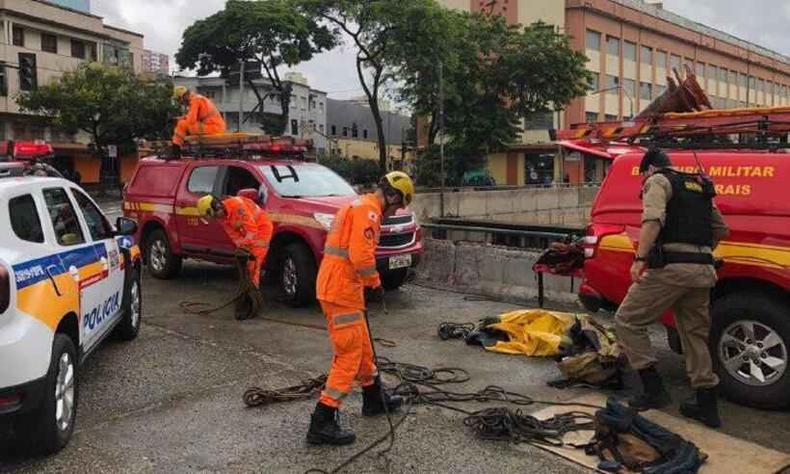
column 306, row 180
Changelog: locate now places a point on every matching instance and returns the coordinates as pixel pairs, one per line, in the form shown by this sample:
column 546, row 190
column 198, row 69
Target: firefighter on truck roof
column 202, row 117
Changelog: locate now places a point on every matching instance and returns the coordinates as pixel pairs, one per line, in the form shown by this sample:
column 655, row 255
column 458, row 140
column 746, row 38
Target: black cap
column 655, row 157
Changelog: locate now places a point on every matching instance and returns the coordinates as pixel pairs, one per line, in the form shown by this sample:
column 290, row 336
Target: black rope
column 448, row 330
column 256, row 397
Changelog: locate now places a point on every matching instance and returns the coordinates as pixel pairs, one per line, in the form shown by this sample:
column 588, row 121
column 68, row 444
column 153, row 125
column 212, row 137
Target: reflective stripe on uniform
column 334, row 393
column 346, row 318
column 367, row 272
column 335, row 251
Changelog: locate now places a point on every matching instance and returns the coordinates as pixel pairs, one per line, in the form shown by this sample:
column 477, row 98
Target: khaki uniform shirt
column 656, row 193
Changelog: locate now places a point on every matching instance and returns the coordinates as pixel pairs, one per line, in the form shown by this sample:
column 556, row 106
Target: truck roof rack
column 234, row 146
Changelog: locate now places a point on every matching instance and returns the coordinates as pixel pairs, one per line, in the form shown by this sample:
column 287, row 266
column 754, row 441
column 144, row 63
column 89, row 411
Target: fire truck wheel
column 750, row 340
column 297, row 275
column 160, row 260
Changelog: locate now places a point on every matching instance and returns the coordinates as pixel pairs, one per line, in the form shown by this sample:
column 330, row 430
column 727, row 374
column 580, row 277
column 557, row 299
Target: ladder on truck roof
column 761, row 122
column 234, row 146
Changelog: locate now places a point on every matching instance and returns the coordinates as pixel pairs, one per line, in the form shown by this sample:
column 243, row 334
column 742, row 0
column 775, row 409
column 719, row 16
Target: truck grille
column 398, row 220
column 396, row 240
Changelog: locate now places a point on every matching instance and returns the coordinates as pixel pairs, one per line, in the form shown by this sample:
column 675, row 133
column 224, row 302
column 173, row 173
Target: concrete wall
column 497, row 272
column 554, row 206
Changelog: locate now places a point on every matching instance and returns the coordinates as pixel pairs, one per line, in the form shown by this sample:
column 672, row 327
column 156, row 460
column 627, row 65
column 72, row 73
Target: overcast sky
column 764, row 22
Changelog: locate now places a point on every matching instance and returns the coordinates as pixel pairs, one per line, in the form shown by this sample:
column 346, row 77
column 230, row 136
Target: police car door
column 103, row 316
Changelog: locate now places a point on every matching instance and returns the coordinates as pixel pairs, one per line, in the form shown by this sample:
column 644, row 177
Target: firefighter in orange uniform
column 347, row 270
column 250, row 229
column 202, row 117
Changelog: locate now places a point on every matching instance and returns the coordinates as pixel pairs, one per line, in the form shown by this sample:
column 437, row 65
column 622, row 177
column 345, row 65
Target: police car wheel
column 129, row 326
column 297, row 275
column 48, row 429
column 161, row 262
column 750, row 346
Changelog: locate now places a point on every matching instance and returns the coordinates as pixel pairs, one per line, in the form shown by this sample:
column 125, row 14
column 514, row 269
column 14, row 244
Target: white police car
column 68, row 279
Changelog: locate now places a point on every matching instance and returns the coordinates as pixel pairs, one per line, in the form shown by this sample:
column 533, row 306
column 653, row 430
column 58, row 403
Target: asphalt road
column 171, row 399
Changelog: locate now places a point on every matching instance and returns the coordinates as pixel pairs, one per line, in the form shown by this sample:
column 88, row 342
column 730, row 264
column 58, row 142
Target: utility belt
column 660, row 258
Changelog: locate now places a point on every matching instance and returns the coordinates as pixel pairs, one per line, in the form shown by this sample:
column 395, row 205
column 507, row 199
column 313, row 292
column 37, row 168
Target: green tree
column 378, row 29
column 110, row 104
column 272, row 32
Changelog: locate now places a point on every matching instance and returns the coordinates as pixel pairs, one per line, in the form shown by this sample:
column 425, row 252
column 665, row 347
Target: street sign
column 112, row 151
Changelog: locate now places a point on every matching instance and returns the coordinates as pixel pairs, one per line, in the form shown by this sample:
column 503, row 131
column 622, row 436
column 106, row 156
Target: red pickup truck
column 300, row 197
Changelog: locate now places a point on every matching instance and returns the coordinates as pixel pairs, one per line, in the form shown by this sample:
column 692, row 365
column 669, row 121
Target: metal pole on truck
column 441, row 139
column 241, row 94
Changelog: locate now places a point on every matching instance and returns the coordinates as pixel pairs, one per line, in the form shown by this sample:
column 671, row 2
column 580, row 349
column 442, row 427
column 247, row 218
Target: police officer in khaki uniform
column 673, row 269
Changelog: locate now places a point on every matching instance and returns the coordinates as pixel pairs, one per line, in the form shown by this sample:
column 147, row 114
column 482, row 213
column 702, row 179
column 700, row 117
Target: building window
column 321, row 127
column 731, row 103
column 659, row 89
column 593, row 40
column 661, row 59
column 733, row 78
column 701, row 70
column 674, row 62
column 630, row 87
column 646, row 55
column 354, row 131
column 3, row 87
column 645, row 90
column 761, row 86
column 722, row 75
column 613, row 45
column 294, row 127
column 19, row 36
column 334, row 130
column 365, row 134
column 612, row 83
column 688, row 62
column 594, row 82
column 77, row 49
column 610, row 118
column 345, row 131
column 49, row 43
column 591, row 117
column 743, row 81
column 713, row 72
column 629, row 51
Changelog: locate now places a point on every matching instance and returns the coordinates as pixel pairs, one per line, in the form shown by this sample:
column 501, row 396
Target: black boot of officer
column 653, row 395
column 324, row 428
column 703, row 407
column 376, row 401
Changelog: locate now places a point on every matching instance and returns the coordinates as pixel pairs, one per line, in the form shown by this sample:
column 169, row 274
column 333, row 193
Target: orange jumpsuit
column 349, row 265
column 203, row 118
column 250, row 229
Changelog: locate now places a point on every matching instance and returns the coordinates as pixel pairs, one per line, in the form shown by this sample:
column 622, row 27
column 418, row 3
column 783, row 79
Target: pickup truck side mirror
column 263, row 195
column 125, row 226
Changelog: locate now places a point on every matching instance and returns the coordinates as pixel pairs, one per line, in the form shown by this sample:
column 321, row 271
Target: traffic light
column 28, row 75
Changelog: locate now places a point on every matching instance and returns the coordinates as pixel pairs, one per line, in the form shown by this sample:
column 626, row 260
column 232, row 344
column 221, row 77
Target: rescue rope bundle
column 247, row 293
column 449, row 330
column 255, row 396
column 503, row 424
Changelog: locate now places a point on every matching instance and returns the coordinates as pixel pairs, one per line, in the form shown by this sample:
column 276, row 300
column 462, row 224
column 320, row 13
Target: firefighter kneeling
column 347, row 269
column 250, row 229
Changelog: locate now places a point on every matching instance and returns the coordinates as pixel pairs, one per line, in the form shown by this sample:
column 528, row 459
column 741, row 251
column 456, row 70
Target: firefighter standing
column 680, row 228
column 347, row 270
column 250, row 229
column 202, row 116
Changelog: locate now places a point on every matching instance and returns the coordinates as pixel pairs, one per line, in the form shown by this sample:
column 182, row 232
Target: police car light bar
column 28, row 150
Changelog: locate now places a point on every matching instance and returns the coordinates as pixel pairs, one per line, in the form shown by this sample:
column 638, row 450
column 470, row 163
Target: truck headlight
column 324, row 219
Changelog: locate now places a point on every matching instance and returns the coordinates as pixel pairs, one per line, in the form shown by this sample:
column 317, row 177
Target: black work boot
column 375, row 401
column 653, row 395
column 703, row 407
column 324, row 428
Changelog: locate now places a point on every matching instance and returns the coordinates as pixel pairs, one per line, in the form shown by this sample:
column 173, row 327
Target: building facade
column 54, row 40
column 631, row 46
column 155, row 63
column 80, row 5
column 352, row 133
column 307, row 110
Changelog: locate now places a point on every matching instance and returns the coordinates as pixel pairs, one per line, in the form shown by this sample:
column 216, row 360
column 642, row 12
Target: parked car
column 300, row 197
column 68, row 280
column 750, row 336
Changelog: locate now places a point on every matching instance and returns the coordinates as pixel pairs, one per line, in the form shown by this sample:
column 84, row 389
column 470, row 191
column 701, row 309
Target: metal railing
column 532, row 237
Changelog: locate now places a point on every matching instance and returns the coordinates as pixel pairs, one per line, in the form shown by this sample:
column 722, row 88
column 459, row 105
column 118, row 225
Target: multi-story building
column 156, row 63
column 54, row 39
column 306, row 114
column 631, row 46
column 352, row 133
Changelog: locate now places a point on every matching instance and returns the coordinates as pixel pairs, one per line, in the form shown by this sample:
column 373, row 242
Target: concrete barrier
column 497, row 272
column 528, row 205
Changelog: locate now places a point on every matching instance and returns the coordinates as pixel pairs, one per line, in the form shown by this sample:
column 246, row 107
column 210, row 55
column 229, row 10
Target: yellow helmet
column 401, row 182
column 179, row 91
column 206, row 206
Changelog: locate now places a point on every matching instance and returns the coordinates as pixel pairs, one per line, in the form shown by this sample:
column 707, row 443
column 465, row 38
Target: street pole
column 241, row 93
column 441, row 139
